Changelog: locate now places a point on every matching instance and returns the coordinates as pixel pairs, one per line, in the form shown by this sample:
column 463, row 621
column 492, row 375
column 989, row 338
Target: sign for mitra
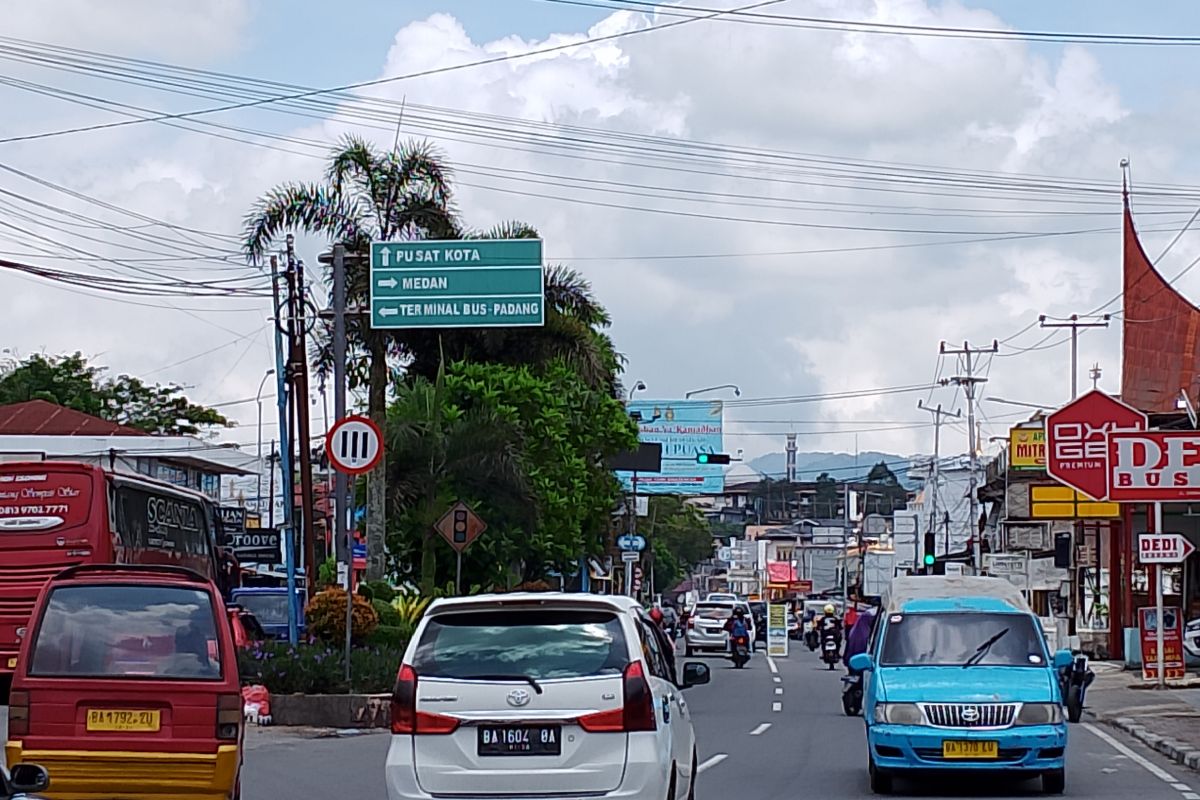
column 1077, row 446
column 1154, row 466
column 1163, row 548
column 1027, row 448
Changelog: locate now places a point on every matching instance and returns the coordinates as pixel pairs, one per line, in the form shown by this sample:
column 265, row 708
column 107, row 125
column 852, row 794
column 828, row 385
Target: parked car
column 23, row 781
column 721, row 597
column 269, row 606
column 127, row 686
column 706, row 626
column 549, row 694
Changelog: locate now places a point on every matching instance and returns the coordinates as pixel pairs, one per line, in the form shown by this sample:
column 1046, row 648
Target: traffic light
column 460, row 526
column 929, row 552
column 712, row 458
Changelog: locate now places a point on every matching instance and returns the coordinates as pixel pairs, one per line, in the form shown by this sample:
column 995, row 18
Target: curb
column 1180, row 752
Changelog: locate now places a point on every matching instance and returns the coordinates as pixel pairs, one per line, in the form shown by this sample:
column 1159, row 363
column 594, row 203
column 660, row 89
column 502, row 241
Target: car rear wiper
column 982, row 651
column 505, row 677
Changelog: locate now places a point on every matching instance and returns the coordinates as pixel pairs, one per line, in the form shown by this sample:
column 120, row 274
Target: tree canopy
column 70, row 381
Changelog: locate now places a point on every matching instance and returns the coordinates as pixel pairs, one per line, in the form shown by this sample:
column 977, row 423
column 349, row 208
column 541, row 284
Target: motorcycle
column 1074, row 681
column 830, row 652
column 739, row 648
column 811, row 638
column 852, row 694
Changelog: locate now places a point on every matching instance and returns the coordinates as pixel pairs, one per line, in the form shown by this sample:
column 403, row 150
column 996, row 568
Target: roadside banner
column 777, row 638
column 1172, row 638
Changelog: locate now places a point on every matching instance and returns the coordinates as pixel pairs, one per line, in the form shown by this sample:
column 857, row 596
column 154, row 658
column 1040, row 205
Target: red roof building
column 43, row 418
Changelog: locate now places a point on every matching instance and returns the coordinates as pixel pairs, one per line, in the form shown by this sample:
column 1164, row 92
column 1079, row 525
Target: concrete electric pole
column 968, row 382
column 1075, row 322
column 935, row 477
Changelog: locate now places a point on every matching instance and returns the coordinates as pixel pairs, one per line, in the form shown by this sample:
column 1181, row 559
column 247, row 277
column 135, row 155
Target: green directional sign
column 458, row 283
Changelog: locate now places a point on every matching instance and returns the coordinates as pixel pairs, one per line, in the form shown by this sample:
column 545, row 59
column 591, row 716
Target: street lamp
column 258, row 401
column 640, row 386
column 736, row 391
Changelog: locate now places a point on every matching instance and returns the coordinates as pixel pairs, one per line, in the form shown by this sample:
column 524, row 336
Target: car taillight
column 637, row 712
column 229, row 716
column 18, row 713
column 406, row 718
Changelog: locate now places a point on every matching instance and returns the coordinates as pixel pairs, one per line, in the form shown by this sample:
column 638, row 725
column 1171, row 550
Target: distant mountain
column 842, row 466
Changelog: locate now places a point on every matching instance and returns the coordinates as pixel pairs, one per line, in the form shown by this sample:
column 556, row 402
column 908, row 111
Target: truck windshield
column 955, row 639
column 269, row 609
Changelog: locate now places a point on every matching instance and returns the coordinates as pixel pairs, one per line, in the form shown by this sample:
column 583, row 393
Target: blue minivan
column 957, row 676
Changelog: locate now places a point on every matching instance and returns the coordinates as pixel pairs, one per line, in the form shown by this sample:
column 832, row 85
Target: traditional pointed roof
column 41, row 417
column 1160, row 334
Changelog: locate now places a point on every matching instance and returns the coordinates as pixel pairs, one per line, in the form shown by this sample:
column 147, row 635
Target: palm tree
column 439, row 451
column 367, row 195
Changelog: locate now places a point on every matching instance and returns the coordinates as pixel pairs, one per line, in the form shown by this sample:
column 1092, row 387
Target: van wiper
column 982, row 651
column 498, row 677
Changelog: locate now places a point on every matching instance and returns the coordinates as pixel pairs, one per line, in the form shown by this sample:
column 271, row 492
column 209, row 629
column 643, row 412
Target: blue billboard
column 684, row 428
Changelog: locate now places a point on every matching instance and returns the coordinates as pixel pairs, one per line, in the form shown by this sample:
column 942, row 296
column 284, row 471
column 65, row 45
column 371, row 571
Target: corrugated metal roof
column 43, row 418
column 1160, row 332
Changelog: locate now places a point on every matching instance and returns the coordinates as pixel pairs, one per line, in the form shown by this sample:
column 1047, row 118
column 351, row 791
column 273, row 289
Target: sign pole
column 458, row 575
column 1156, row 575
column 340, row 489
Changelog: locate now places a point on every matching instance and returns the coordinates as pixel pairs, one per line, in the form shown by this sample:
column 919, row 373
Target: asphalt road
column 762, row 736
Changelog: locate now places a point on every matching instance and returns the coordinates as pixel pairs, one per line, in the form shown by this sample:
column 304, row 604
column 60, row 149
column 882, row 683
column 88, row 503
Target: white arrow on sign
column 390, row 283
column 388, row 311
column 354, row 445
column 1163, row 548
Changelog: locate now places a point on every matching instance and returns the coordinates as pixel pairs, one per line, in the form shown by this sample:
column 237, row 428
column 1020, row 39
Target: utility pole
column 283, row 391
column 1075, row 322
column 304, row 434
column 1094, row 374
column 968, row 382
column 935, row 478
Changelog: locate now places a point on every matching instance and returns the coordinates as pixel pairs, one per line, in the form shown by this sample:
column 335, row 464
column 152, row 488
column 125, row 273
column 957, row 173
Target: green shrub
column 395, row 637
column 318, row 668
column 387, row 615
column 380, row 590
column 365, row 592
column 326, row 616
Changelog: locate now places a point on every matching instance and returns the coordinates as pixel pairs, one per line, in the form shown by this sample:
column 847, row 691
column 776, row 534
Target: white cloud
column 776, row 325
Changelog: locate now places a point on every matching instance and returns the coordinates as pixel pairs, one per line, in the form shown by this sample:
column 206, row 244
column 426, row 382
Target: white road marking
column 712, row 762
column 1146, row 763
column 1181, row 787
column 777, row 706
column 778, row 690
column 1191, row 796
column 761, row 729
column 773, row 666
column 777, row 679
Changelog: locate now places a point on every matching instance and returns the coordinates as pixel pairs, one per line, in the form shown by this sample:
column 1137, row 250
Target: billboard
column 684, row 428
column 1027, row 448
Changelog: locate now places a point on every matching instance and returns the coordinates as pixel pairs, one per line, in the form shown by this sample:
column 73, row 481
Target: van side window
column 653, row 650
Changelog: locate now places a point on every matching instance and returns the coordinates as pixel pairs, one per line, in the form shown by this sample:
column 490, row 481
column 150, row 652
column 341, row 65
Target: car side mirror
column 1063, row 659
column 861, row 662
column 28, row 779
column 695, row 674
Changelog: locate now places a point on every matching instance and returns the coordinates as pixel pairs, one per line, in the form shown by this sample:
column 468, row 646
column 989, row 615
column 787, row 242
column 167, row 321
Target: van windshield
column 270, row 609
column 111, row 631
column 954, row 639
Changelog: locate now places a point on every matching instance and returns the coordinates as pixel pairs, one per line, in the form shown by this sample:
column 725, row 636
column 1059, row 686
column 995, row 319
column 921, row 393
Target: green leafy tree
column 827, row 499
column 568, row 430
column 884, row 493
column 680, row 536
column 72, row 382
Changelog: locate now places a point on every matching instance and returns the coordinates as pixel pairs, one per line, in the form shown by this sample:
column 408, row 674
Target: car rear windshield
column 539, row 644
column 112, row 631
column 270, row 609
column 955, row 639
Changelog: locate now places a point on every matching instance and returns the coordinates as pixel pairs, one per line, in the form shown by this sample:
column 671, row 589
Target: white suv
column 530, row 695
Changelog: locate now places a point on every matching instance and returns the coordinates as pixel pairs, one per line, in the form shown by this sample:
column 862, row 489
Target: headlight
column 898, row 714
column 1040, row 714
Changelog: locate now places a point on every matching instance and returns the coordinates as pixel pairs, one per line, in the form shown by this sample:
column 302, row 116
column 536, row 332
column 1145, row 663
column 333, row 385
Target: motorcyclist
column 829, row 625
column 737, row 626
column 659, row 620
column 856, row 640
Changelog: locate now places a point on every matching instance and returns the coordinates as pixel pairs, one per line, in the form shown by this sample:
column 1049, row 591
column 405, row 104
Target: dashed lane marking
column 712, row 762
column 772, row 665
column 778, row 690
column 777, row 706
column 761, row 729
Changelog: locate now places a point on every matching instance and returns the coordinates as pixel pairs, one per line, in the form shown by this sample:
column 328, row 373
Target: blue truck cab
column 268, row 604
column 957, row 676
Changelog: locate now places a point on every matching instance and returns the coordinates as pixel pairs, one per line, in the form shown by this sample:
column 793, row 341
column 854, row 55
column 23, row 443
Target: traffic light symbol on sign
column 460, row 526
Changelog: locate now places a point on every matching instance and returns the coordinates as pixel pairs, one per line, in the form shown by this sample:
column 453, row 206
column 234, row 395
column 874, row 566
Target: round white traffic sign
column 354, row 445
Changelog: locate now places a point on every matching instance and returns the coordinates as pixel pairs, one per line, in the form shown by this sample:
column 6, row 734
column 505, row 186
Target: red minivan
column 127, row 686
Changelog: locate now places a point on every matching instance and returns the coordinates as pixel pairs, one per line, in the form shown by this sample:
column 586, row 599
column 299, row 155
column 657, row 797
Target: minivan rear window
column 112, row 631
column 539, row 644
